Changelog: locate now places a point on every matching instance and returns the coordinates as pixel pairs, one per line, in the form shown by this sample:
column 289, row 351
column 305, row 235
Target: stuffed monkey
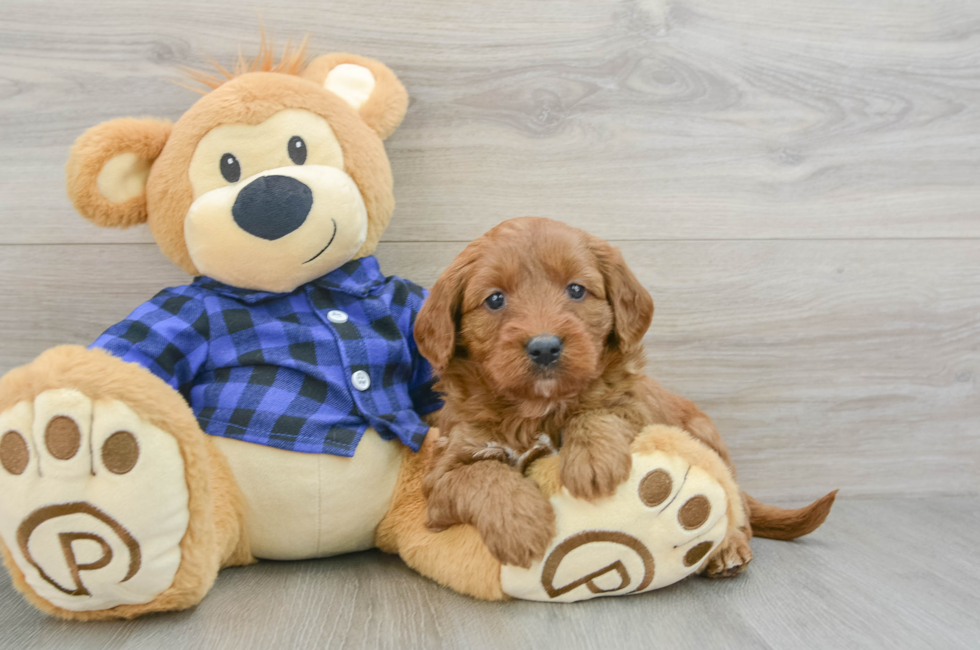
column 274, row 407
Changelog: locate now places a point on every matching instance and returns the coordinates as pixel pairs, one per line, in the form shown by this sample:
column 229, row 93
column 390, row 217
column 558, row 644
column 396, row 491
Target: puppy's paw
column 518, row 532
column 514, row 519
column 518, row 544
column 731, row 558
column 593, row 472
column 440, row 512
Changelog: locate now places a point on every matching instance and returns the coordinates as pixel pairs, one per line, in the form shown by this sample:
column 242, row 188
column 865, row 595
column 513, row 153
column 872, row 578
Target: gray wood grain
column 850, row 365
column 855, row 583
column 686, row 119
column 795, row 182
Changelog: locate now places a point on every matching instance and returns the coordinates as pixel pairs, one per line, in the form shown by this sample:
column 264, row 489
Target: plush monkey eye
column 297, row 150
column 495, row 301
column 230, row 168
column 575, row 291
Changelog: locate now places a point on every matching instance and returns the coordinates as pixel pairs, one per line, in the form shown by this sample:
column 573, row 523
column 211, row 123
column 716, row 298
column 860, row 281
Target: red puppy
column 536, row 331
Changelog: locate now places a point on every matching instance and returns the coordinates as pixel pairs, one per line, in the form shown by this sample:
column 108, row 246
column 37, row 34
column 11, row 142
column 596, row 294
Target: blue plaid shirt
column 288, row 369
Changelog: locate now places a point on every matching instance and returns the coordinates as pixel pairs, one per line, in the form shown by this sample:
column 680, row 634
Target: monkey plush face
column 273, row 195
column 269, row 181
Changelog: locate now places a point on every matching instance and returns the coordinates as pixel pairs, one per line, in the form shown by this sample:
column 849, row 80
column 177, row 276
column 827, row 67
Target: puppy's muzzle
column 544, row 350
column 271, row 207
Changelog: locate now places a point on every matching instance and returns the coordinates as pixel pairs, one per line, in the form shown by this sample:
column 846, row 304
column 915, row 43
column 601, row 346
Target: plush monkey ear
column 631, row 303
column 108, row 167
column 435, row 324
column 367, row 85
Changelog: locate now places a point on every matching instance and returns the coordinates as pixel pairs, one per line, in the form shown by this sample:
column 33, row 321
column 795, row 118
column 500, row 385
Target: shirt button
column 336, row 316
column 361, row 380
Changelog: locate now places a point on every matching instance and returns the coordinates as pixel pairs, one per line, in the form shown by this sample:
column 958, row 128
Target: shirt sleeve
column 424, row 397
column 167, row 335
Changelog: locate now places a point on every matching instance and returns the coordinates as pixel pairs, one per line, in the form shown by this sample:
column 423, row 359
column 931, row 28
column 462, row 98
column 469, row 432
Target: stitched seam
column 677, row 494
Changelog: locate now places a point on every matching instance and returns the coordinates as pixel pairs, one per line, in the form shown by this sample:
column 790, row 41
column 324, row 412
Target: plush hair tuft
column 293, row 61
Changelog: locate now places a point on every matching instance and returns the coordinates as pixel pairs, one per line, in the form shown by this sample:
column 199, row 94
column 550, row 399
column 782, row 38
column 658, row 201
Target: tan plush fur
column 249, row 98
column 592, row 402
column 457, row 557
column 385, row 108
column 143, row 137
column 383, row 111
column 215, row 533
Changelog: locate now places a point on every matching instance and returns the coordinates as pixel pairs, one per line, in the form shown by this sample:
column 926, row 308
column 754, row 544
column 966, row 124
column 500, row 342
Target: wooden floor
column 797, row 184
column 879, row 575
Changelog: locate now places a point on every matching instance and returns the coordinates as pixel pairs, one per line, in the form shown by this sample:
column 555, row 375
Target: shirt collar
column 358, row 278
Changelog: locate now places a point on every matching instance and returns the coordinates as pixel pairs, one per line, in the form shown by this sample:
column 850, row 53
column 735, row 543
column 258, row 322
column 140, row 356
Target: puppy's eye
column 575, row 291
column 230, row 168
column 495, row 301
column 297, row 150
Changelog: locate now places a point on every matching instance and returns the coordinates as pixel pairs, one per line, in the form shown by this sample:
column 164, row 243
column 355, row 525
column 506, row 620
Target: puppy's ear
column 435, row 325
column 108, row 167
column 631, row 302
column 369, row 86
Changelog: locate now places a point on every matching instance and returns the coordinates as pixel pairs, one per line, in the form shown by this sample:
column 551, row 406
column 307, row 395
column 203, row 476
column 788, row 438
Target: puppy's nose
column 271, row 207
column 544, row 349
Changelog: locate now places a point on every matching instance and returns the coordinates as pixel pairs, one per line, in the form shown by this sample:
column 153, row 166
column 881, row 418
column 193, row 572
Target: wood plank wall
column 797, row 183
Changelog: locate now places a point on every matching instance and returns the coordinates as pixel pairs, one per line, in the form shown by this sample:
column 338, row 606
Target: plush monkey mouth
column 328, row 243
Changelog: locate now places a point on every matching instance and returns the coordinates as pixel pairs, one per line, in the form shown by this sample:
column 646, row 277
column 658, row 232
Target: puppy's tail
column 782, row 523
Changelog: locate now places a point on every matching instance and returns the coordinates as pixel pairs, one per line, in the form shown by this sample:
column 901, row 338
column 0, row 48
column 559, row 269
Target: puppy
column 536, row 333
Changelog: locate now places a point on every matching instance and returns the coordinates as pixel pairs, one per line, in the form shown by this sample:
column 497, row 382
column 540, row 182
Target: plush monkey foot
column 96, row 502
column 660, row 526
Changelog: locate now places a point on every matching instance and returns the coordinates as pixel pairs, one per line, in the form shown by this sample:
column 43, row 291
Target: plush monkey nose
column 544, row 349
column 271, row 207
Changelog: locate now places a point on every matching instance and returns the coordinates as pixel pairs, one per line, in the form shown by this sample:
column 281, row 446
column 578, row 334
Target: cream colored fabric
column 313, row 505
column 353, row 83
column 621, row 545
column 263, row 146
column 123, row 177
column 101, row 538
column 330, row 236
column 332, row 232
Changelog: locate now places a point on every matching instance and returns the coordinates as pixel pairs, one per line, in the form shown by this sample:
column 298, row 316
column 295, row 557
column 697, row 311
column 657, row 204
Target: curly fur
column 592, row 404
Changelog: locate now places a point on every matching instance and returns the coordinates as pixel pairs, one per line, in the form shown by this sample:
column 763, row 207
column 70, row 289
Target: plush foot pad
column 93, row 501
column 659, row 527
